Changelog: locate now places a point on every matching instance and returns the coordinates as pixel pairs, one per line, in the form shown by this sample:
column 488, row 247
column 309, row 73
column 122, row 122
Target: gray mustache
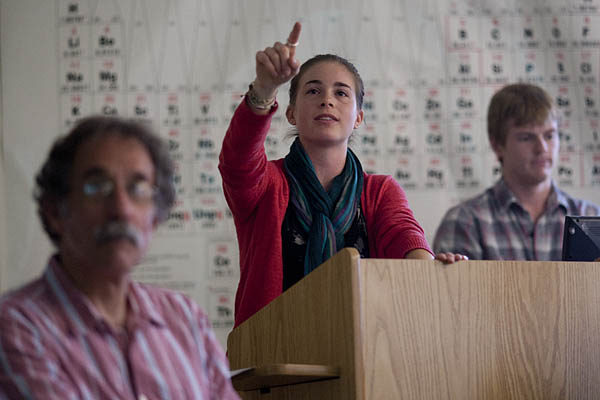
column 118, row 230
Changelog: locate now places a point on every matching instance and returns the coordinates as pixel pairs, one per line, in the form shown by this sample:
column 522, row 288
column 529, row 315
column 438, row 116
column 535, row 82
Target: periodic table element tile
column 567, row 172
column 435, row 172
column 222, row 259
column 529, row 31
column 170, row 264
column 205, row 108
column 109, row 104
column 206, row 178
column 486, row 96
column 496, row 33
column 495, row 8
column 178, row 139
column 462, row 33
column 273, row 146
column 173, row 74
column 467, row 171
column 527, row 8
column 399, row 63
column 75, row 75
column 464, row 102
column 141, row 61
column 401, row 104
column 210, row 214
column 497, row 68
column 236, row 48
column 429, row 49
column 587, row 66
column 565, row 98
column 372, row 164
column 463, row 68
column 231, row 101
column 559, row 67
column 368, row 47
column 107, row 40
column 206, row 142
column 142, row 106
column 557, row 31
column 529, row 66
column 406, row 170
column 179, row 221
column 181, row 176
column 590, row 131
column 108, row 74
column 73, row 107
column 569, row 137
column 431, row 103
column 433, row 137
column 367, row 139
column 585, row 31
column 585, row 6
column 402, row 138
column 74, row 11
column 374, row 105
column 220, row 307
column 206, row 72
column 591, row 169
column 463, row 7
column 107, row 11
column 589, row 101
column 466, row 137
column 74, row 41
column 173, row 108
column 554, row 7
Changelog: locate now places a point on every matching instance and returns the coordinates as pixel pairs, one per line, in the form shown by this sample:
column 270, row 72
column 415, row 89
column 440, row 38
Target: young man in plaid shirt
column 521, row 217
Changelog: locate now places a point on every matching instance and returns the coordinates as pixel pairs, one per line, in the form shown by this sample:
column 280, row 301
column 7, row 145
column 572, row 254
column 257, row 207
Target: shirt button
column 142, row 397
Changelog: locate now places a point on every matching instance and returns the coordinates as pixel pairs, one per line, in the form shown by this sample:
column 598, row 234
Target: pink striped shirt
column 54, row 344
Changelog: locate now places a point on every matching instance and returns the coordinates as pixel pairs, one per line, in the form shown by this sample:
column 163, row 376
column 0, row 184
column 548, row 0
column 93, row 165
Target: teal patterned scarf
column 325, row 216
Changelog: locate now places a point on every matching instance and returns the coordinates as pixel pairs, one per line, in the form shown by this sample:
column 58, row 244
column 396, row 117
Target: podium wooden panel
column 408, row 329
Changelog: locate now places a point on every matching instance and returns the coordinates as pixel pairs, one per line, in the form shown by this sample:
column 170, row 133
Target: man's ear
column 289, row 113
column 53, row 213
column 497, row 148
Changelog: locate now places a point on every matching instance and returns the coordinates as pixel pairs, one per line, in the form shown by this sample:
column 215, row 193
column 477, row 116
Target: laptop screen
column 581, row 238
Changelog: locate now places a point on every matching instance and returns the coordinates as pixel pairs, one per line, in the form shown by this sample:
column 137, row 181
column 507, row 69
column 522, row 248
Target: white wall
column 28, row 43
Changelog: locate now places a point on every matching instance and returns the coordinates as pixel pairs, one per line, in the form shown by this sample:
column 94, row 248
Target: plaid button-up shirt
column 494, row 226
column 54, row 344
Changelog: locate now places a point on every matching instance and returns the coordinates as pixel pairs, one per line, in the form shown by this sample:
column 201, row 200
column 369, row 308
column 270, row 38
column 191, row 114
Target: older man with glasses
column 85, row 329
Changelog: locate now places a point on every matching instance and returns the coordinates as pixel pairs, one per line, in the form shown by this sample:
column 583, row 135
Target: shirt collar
column 506, row 198
column 80, row 313
column 141, row 306
column 503, row 194
column 557, row 198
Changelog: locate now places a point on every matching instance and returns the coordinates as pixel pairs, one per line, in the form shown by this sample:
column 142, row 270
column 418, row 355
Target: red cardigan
column 257, row 193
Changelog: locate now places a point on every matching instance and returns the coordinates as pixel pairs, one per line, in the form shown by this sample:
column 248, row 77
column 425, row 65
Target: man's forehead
column 547, row 124
column 112, row 152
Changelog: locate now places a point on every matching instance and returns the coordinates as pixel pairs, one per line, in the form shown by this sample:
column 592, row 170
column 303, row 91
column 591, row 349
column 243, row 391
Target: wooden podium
column 408, row 329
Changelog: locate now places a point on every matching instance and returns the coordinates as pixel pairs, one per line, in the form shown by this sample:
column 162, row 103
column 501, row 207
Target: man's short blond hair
column 518, row 104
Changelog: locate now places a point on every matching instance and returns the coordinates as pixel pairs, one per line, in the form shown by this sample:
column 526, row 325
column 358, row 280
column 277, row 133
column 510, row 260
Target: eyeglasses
column 140, row 191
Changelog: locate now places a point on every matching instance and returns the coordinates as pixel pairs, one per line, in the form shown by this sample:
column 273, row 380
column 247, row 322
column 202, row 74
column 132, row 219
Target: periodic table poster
column 429, row 67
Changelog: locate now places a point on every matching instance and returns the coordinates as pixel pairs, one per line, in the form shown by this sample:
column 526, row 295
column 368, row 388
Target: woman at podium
column 294, row 213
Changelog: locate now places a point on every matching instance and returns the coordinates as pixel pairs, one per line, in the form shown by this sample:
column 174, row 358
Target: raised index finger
column 293, row 39
column 295, row 33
